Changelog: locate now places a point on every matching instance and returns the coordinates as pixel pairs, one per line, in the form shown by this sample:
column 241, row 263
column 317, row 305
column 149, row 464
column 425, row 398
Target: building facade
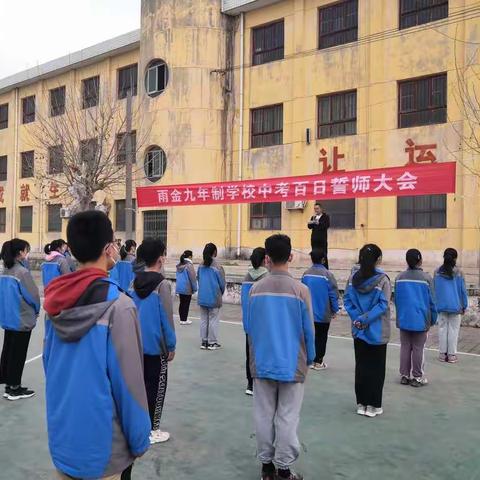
column 240, row 89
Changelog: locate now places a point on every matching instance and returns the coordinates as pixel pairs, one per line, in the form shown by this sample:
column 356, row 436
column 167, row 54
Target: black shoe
column 204, row 345
column 214, row 346
column 405, row 380
column 291, row 476
column 18, row 393
column 269, row 472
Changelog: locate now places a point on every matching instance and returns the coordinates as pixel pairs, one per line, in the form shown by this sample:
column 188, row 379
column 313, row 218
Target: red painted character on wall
column 425, row 153
column 24, row 192
column 330, row 167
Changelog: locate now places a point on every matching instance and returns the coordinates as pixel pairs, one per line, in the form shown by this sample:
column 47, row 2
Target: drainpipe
column 240, row 134
column 16, row 126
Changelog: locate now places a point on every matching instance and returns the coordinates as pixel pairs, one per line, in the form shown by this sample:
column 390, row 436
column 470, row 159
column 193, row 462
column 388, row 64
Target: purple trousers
column 411, row 353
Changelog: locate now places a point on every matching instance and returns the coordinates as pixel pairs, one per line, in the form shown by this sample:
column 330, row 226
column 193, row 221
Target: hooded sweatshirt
column 19, row 300
column 450, row 291
column 186, row 280
column 368, row 300
column 153, row 298
column 55, row 265
column 252, row 276
column 97, row 413
column 211, row 285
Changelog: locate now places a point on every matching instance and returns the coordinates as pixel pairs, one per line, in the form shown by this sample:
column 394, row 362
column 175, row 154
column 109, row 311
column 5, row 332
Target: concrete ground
column 429, row 433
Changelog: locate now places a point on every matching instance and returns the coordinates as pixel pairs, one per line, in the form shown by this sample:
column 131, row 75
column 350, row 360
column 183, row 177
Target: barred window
column 26, row 219
column 28, row 164
column 89, row 151
column 28, row 109
column 90, row 92
column 267, row 126
column 54, row 219
column 422, row 101
column 57, row 101
column 127, row 80
column 423, row 211
column 418, row 12
column 337, row 114
column 268, row 43
column 3, row 168
column 121, row 148
column 266, row 216
column 341, row 213
column 3, row 116
column 338, row 23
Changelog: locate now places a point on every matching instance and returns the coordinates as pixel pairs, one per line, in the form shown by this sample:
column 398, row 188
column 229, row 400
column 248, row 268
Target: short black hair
column 278, row 248
column 88, row 233
column 151, row 250
column 317, row 255
column 413, row 257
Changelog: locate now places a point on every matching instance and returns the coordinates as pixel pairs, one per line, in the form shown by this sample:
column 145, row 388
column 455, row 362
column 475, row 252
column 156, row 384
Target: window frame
column 334, row 217
column 87, row 143
column 323, row 9
column 155, row 65
column 3, row 171
column 54, row 224
column 3, row 219
column 121, row 149
column 264, row 27
column 416, row 210
column 4, row 121
column 402, row 114
column 25, row 228
column 51, row 167
column 90, row 100
column 28, row 117
column 122, row 223
column 146, row 161
column 122, row 90
column 268, row 221
column 401, row 15
column 332, row 124
column 57, row 110
column 24, row 171
column 265, row 133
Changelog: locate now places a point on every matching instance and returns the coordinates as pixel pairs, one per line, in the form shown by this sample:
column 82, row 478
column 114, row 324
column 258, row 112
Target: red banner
column 381, row 182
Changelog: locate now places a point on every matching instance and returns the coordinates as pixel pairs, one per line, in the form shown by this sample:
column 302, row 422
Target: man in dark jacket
column 319, row 225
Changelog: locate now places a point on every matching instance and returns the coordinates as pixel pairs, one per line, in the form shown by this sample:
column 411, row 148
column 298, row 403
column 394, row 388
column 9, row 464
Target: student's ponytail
column 257, row 257
column 208, row 253
column 123, row 252
column 184, row 255
column 449, row 261
column 11, row 249
column 125, row 249
column 48, row 249
column 369, row 256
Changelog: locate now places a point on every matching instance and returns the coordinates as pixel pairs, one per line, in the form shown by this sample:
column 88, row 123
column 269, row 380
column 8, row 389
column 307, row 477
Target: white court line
column 337, row 337
column 33, row 359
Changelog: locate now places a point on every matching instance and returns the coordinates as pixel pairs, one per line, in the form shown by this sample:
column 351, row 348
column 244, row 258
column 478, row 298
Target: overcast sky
column 36, row 31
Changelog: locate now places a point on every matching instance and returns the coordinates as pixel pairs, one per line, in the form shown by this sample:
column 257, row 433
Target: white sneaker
column 372, row 412
column 361, row 409
column 248, row 391
column 186, row 322
column 157, row 436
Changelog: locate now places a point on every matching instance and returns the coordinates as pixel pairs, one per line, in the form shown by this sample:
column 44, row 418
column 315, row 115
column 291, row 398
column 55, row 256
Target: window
column 27, row 164
column 422, row 101
column 28, row 109
column 338, row 24
column 120, row 215
column 57, row 101
column 54, row 220
column 268, row 43
column 3, row 220
column 266, row 216
column 121, row 148
column 424, row 211
column 26, row 219
column 337, row 115
column 155, row 163
column 55, row 160
column 267, row 126
column 156, row 79
column 90, row 92
column 341, row 213
column 3, row 116
column 127, row 80
column 88, row 152
column 418, row 12
column 155, row 223
column 3, row 168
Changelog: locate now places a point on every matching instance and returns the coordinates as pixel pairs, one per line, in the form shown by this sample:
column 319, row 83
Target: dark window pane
column 121, row 148
column 341, row 213
column 267, row 126
column 54, row 220
column 337, row 115
column 3, row 220
column 266, row 216
column 3, row 168
column 155, row 163
column 424, row 211
column 89, row 151
column 57, row 101
column 422, row 101
column 28, row 109
column 28, row 164
column 26, row 219
column 155, row 224
column 127, row 80
column 55, row 160
column 418, row 12
column 268, row 43
column 156, row 79
column 3, row 116
column 120, row 215
column 338, row 23
column 90, row 92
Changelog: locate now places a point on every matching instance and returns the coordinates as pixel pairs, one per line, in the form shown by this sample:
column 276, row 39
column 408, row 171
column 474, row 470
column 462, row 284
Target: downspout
column 240, row 134
column 15, row 169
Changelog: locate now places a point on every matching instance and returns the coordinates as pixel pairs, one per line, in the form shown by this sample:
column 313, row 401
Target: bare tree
column 81, row 145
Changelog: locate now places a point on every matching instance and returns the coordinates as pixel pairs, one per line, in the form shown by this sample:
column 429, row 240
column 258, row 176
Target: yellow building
column 241, row 89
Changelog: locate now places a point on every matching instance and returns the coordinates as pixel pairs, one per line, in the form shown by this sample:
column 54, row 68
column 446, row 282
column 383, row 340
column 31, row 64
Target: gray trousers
column 411, row 353
column 209, row 322
column 277, row 408
column 448, row 330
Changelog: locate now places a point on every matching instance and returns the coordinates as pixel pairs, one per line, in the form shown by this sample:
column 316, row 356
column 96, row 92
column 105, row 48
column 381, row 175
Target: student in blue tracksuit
column 211, row 287
column 123, row 271
column 55, row 262
column 279, row 325
column 185, row 285
column 452, row 301
column 153, row 297
column 256, row 272
column 97, row 410
column 416, row 313
column 367, row 301
column 324, row 291
column 19, row 307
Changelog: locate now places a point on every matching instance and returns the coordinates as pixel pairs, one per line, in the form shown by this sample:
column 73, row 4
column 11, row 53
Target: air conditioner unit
column 65, row 213
column 297, row 205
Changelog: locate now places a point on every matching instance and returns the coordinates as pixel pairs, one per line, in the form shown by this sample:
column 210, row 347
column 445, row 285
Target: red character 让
column 425, row 154
column 333, row 167
column 24, row 192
